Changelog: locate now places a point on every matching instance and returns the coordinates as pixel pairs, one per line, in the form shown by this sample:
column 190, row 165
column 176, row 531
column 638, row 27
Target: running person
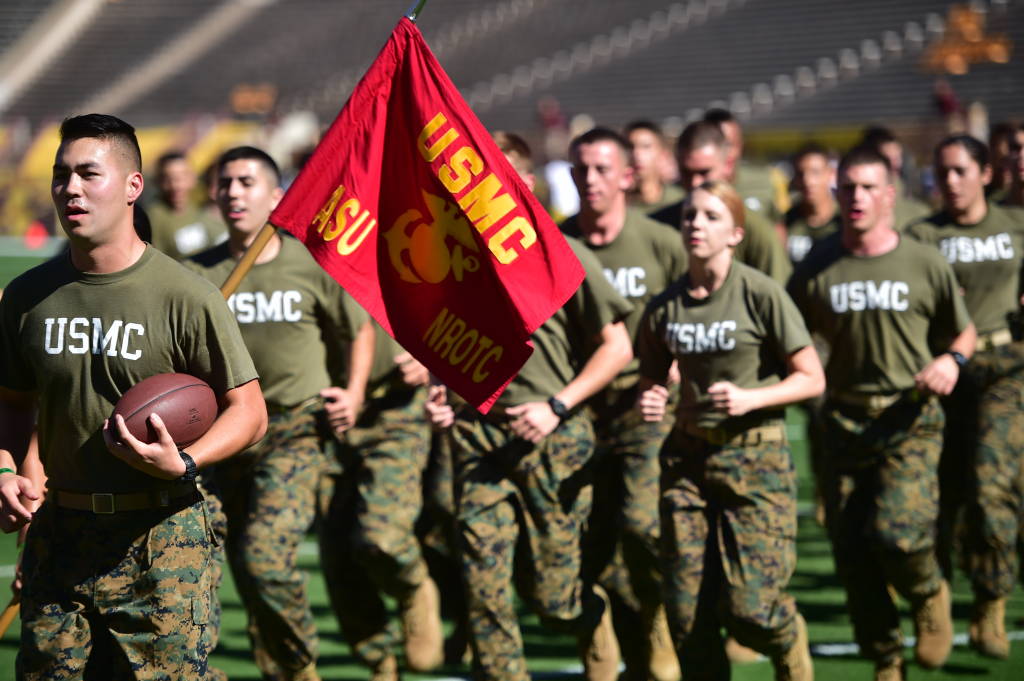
column 640, row 257
column 523, row 486
column 891, row 311
column 114, row 571
column 650, row 192
column 984, row 447
column 815, row 216
column 728, row 487
column 296, row 321
column 703, row 154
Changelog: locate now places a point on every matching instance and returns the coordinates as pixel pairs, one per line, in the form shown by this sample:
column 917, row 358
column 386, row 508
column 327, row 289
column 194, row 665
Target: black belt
column 103, row 503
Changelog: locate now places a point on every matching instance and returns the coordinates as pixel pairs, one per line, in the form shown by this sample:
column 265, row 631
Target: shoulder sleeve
column 951, row 316
column 342, row 315
column 922, row 231
column 781, row 317
column 595, row 302
column 762, row 250
column 214, row 348
column 671, row 252
column 654, row 354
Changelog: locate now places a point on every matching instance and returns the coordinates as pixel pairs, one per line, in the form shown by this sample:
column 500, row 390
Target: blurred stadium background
column 202, row 75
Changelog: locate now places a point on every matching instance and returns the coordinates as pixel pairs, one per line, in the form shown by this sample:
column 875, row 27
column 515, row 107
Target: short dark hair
column 999, row 132
column 169, row 157
column 600, row 134
column 514, row 146
column 810, row 149
column 718, row 116
column 643, row 124
column 246, row 153
column 107, row 127
column 876, row 136
column 700, row 134
column 974, row 147
column 865, row 155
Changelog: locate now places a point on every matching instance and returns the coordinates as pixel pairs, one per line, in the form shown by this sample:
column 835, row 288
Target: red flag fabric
column 412, row 208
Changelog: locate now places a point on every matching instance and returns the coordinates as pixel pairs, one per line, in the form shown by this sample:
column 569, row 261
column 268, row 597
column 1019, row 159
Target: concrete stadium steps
column 115, row 42
column 746, row 44
column 16, row 16
column 903, row 90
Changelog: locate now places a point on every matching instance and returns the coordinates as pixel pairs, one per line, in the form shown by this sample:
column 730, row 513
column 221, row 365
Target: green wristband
column 8, row 470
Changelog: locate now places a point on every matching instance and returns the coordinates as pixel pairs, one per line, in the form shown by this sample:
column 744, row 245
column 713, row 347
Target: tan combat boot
column 933, row 626
column 600, row 652
column 987, row 631
column 893, row 670
column 421, row 625
column 385, row 670
column 663, row 664
column 739, row 653
column 795, row 664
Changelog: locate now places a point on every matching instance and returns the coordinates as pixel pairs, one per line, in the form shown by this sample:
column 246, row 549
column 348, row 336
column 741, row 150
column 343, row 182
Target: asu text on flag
column 410, row 206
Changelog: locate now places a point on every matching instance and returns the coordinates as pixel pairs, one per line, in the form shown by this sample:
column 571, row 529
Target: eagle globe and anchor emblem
column 419, row 249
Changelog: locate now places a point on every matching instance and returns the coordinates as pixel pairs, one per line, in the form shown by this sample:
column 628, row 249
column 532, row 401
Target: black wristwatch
column 190, row 467
column 558, row 406
column 960, row 360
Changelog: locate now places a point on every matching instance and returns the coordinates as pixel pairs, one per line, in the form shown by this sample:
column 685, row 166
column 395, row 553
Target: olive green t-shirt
column 801, row 235
column 884, row 317
column 81, row 340
column 741, row 333
column 294, row 317
column 180, row 235
column 986, row 258
column 670, row 194
column 640, row 263
column 760, row 248
column 564, row 342
column 763, row 189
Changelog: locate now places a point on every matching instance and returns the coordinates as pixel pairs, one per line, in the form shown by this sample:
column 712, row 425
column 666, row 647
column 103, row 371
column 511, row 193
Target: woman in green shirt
column 981, row 468
column 728, row 488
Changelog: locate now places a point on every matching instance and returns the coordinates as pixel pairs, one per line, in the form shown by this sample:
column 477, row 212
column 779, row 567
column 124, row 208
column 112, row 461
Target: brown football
column 186, row 404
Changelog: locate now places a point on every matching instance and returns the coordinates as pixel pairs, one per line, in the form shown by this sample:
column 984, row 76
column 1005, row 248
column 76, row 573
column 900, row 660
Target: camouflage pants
column 521, row 512
column 368, row 544
column 881, row 496
column 621, row 542
column 121, row 596
column 728, row 548
column 269, row 497
column 990, row 536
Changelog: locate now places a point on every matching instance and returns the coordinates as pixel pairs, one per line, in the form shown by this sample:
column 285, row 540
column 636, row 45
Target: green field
column 552, row 655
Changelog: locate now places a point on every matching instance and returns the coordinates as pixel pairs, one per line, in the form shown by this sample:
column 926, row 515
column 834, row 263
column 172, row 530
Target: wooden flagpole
column 248, row 260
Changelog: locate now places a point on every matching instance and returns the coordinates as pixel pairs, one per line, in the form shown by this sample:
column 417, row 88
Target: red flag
column 411, row 207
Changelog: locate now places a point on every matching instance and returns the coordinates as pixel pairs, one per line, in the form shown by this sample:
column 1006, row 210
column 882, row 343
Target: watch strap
column 191, row 471
column 558, row 406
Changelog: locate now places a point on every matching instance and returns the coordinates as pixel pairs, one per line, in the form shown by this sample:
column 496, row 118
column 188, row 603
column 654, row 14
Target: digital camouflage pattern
column 137, row 605
column 882, row 499
column 728, row 548
column 621, row 541
column 521, row 513
column 994, row 512
column 269, row 493
column 368, row 543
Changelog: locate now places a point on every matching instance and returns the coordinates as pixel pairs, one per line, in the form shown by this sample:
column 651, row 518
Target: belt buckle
column 102, row 503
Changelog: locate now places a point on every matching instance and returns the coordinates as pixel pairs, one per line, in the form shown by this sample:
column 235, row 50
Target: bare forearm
column 242, row 422
column 361, row 360
column 604, row 365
